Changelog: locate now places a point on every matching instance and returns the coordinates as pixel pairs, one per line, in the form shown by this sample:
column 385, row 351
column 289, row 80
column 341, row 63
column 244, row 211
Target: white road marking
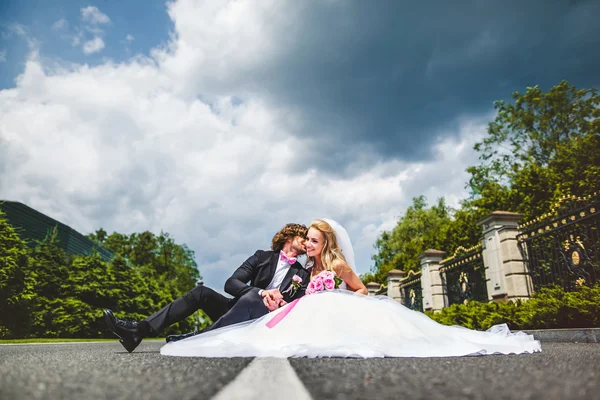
column 263, row 378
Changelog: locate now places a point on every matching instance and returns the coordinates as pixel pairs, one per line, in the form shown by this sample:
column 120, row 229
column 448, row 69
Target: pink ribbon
column 276, row 319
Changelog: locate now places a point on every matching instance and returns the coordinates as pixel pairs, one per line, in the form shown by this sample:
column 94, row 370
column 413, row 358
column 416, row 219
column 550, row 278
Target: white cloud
column 88, row 34
column 129, row 38
column 60, row 25
column 94, row 30
column 93, row 46
column 93, row 15
column 2, row 56
column 14, row 29
column 162, row 143
column 18, row 29
column 76, row 40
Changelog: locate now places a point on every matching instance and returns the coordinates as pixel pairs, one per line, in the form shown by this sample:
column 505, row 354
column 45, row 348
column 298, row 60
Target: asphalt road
column 105, row 371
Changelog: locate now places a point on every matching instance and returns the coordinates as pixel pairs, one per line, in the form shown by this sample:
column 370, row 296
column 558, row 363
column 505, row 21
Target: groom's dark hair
column 288, row 232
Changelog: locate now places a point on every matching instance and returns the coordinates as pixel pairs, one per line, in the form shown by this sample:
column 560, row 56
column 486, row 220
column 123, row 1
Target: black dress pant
column 250, row 306
column 214, row 304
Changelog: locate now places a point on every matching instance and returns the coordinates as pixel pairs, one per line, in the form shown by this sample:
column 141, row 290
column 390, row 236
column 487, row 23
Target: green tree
column 45, row 292
column 539, row 148
column 149, row 272
column 50, row 265
column 16, row 286
column 144, row 248
column 421, row 228
column 99, row 236
column 118, row 243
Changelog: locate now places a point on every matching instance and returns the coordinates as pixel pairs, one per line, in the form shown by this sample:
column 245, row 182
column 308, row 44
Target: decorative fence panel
column 463, row 275
column 412, row 292
column 562, row 247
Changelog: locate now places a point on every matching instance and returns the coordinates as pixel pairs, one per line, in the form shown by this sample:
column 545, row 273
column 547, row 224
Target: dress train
column 341, row 323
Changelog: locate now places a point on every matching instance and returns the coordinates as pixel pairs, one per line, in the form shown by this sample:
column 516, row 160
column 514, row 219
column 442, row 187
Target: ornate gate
column 412, row 293
column 562, row 247
column 464, row 276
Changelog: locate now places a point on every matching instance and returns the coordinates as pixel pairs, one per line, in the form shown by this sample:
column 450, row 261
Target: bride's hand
column 272, row 305
column 272, row 299
column 273, row 294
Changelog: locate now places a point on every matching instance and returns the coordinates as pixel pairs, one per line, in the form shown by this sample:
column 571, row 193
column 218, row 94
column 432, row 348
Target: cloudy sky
column 219, row 122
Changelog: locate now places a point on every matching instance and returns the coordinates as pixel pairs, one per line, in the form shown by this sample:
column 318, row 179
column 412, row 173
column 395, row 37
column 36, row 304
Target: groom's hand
column 272, row 299
column 273, row 294
column 270, row 303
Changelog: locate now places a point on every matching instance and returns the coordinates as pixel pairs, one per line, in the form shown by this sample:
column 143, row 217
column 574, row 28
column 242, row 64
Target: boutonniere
column 294, row 286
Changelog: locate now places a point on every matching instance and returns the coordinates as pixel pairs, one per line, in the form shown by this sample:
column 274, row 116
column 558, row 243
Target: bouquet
column 325, row 280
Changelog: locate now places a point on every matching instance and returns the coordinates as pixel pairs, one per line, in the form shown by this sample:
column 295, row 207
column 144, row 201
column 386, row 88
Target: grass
column 57, row 340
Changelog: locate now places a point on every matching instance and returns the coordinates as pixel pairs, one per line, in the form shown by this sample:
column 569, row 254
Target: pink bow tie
column 290, row 260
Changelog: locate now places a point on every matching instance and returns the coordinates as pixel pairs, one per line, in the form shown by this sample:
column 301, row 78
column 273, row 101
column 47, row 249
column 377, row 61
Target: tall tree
column 45, row 292
column 50, row 265
column 16, row 286
column 540, row 147
column 99, row 236
column 419, row 229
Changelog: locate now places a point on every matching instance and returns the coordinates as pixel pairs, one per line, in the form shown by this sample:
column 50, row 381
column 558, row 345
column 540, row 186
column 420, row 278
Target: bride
column 344, row 322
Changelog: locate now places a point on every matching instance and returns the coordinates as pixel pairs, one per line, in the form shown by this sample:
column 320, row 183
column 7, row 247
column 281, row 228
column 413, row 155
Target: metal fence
column 464, row 276
column 412, row 292
column 563, row 246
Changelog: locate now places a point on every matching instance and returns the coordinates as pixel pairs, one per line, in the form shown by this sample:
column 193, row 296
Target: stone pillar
column 434, row 294
column 394, row 277
column 372, row 288
column 505, row 270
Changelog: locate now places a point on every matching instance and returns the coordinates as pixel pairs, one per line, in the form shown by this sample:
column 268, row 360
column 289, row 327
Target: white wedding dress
column 341, row 323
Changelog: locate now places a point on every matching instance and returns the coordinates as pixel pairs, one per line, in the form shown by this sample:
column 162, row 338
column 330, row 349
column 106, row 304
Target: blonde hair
column 331, row 250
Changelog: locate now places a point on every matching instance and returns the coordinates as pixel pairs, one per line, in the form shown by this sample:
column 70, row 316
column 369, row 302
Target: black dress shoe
column 127, row 331
column 174, row 338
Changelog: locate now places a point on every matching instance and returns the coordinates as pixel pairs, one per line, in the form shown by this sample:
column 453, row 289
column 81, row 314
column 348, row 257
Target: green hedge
column 48, row 293
column 549, row 308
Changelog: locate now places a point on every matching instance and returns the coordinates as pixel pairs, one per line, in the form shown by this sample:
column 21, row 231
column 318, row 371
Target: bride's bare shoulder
column 340, row 267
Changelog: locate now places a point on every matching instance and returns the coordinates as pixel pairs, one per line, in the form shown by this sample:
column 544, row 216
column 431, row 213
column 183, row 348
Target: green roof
column 33, row 226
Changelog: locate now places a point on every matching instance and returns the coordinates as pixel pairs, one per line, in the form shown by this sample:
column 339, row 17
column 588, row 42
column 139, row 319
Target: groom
column 269, row 274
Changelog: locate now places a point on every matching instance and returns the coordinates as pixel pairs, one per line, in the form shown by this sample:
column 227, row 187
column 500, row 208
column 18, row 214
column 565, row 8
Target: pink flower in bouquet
column 311, row 288
column 318, row 278
column 318, row 285
column 329, row 283
column 327, row 275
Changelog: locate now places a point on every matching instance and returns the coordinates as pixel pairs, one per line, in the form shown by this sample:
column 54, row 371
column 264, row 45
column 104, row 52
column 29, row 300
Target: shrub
column 549, row 308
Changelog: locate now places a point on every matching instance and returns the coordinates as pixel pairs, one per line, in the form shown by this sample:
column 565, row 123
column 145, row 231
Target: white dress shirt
column 282, row 269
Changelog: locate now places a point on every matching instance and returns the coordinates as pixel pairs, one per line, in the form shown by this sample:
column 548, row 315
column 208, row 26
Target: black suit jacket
column 258, row 270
